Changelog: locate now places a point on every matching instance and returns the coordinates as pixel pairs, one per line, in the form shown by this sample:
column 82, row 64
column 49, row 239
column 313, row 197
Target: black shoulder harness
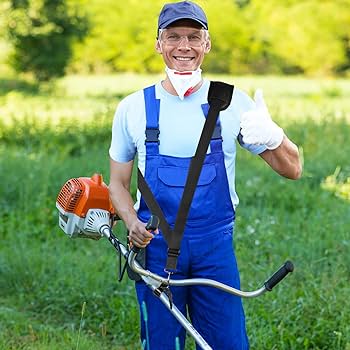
column 219, row 98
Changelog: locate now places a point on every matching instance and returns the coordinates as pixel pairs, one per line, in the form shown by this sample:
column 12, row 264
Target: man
column 206, row 248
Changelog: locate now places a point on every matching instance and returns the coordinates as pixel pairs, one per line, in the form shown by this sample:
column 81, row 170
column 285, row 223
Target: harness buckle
column 152, row 135
column 173, row 252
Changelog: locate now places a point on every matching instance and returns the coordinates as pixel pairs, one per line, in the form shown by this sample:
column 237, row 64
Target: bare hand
column 138, row 235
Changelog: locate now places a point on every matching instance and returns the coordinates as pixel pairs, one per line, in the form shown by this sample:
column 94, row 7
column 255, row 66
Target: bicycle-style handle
column 152, row 225
column 278, row 276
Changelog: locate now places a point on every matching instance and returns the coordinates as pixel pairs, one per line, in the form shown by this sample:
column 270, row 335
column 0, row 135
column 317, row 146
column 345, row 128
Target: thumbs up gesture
column 257, row 127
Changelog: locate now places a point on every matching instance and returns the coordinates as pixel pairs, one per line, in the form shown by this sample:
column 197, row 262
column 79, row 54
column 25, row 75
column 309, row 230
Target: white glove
column 257, row 127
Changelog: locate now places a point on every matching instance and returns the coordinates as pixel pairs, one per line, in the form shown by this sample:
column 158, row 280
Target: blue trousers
column 215, row 314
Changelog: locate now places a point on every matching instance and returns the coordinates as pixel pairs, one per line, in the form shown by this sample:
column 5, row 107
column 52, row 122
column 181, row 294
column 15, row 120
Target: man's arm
column 257, row 128
column 284, row 159
column 119, row 191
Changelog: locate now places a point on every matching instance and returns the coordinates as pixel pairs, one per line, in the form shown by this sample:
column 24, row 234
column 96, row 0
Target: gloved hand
column 257, row 127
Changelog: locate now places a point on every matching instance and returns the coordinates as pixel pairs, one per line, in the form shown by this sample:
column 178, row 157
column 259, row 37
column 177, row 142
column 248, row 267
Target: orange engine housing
column 78, row 195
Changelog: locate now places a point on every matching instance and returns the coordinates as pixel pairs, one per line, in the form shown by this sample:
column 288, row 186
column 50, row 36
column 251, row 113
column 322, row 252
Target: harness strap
column 216, row 139
column 153, row 205
column 219, row 98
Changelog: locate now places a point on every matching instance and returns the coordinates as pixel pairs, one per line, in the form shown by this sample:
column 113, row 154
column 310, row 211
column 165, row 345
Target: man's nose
column 184, row 42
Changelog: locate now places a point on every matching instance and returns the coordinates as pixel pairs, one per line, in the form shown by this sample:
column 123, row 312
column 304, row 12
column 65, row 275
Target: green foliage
column 45, row 277
column 122, row 37
column 42, row 33
column 305, row 36
column 335, row 184
column 248, row 36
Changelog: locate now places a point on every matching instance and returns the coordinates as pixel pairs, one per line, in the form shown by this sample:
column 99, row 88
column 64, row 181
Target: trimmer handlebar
column 268, row 285
column 278, row 276
column 152, row 225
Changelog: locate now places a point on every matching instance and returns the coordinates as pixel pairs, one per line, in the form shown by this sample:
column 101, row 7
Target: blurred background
column 64, row 67
column 50, row 38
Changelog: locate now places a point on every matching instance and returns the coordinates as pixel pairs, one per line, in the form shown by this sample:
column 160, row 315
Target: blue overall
column 206, row 248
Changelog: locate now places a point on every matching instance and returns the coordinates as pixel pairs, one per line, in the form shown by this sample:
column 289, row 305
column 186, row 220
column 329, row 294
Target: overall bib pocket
column 171, row 187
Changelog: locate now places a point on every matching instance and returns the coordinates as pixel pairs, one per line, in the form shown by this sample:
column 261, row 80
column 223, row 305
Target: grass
column 49, row 134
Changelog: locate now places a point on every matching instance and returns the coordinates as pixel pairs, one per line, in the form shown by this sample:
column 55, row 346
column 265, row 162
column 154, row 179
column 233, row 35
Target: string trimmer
column 85, row 211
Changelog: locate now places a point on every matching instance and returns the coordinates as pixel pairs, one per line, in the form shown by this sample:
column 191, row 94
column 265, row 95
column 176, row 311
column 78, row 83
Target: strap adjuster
column 152, row 135
column 173, row 252
column 171, row 261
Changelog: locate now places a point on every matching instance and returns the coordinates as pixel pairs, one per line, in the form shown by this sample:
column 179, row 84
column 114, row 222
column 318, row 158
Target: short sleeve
column 122, row 148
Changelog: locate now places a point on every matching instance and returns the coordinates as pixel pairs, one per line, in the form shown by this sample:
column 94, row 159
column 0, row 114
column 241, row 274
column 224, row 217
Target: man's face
column 183, row 46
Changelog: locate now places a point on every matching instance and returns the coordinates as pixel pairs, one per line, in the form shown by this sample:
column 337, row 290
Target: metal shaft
column 184, row 322
column 154, row 281
column 106, row 231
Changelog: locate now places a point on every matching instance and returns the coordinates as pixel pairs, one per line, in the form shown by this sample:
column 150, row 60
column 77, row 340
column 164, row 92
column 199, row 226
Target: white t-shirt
column 180, row 124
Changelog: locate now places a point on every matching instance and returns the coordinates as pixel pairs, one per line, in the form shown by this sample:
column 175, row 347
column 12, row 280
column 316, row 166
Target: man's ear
column 158, row 47
column 207, row 46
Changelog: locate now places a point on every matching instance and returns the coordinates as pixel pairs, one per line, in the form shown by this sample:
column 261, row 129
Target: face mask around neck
column 184, row 82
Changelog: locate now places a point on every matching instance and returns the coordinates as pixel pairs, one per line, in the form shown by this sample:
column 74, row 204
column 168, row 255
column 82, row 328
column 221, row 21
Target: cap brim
column 167, row 23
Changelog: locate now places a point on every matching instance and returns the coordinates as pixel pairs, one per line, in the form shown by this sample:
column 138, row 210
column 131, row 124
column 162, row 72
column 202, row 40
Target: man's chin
column 184, row 68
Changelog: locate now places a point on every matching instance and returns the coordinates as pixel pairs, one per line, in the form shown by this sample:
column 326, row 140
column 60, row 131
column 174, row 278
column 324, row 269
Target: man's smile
column 182, row 58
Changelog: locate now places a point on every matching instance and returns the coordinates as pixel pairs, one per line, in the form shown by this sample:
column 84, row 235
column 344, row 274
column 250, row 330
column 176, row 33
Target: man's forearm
column 123, row 204
column 284, row 159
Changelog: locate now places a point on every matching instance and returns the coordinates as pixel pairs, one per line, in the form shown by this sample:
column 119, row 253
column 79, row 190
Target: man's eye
column 194, row 37
column 173, row 37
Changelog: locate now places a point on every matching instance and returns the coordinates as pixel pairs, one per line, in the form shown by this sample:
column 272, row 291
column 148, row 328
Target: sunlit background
column 64, row 67
column 103, row 36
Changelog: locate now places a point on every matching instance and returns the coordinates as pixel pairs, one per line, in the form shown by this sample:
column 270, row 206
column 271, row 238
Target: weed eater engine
column 85, row 211
column 84, row 207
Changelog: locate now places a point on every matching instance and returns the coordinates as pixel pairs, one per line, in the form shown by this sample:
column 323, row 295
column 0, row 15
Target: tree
column 122, row 37
column 248, row 36
column 42, row 33
column 304, row 36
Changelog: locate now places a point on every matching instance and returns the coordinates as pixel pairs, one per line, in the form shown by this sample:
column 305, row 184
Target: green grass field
column 58, row 293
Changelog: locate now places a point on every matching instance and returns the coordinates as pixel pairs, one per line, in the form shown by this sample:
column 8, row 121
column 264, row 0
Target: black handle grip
column 152, row 225
column 278, row 276
column 135, row 249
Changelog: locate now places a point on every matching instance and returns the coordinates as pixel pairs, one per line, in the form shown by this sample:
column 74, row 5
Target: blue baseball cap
column 181, row 10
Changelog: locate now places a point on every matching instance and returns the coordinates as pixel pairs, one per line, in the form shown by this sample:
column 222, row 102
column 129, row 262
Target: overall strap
column 152, row 120
column 152, row 148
